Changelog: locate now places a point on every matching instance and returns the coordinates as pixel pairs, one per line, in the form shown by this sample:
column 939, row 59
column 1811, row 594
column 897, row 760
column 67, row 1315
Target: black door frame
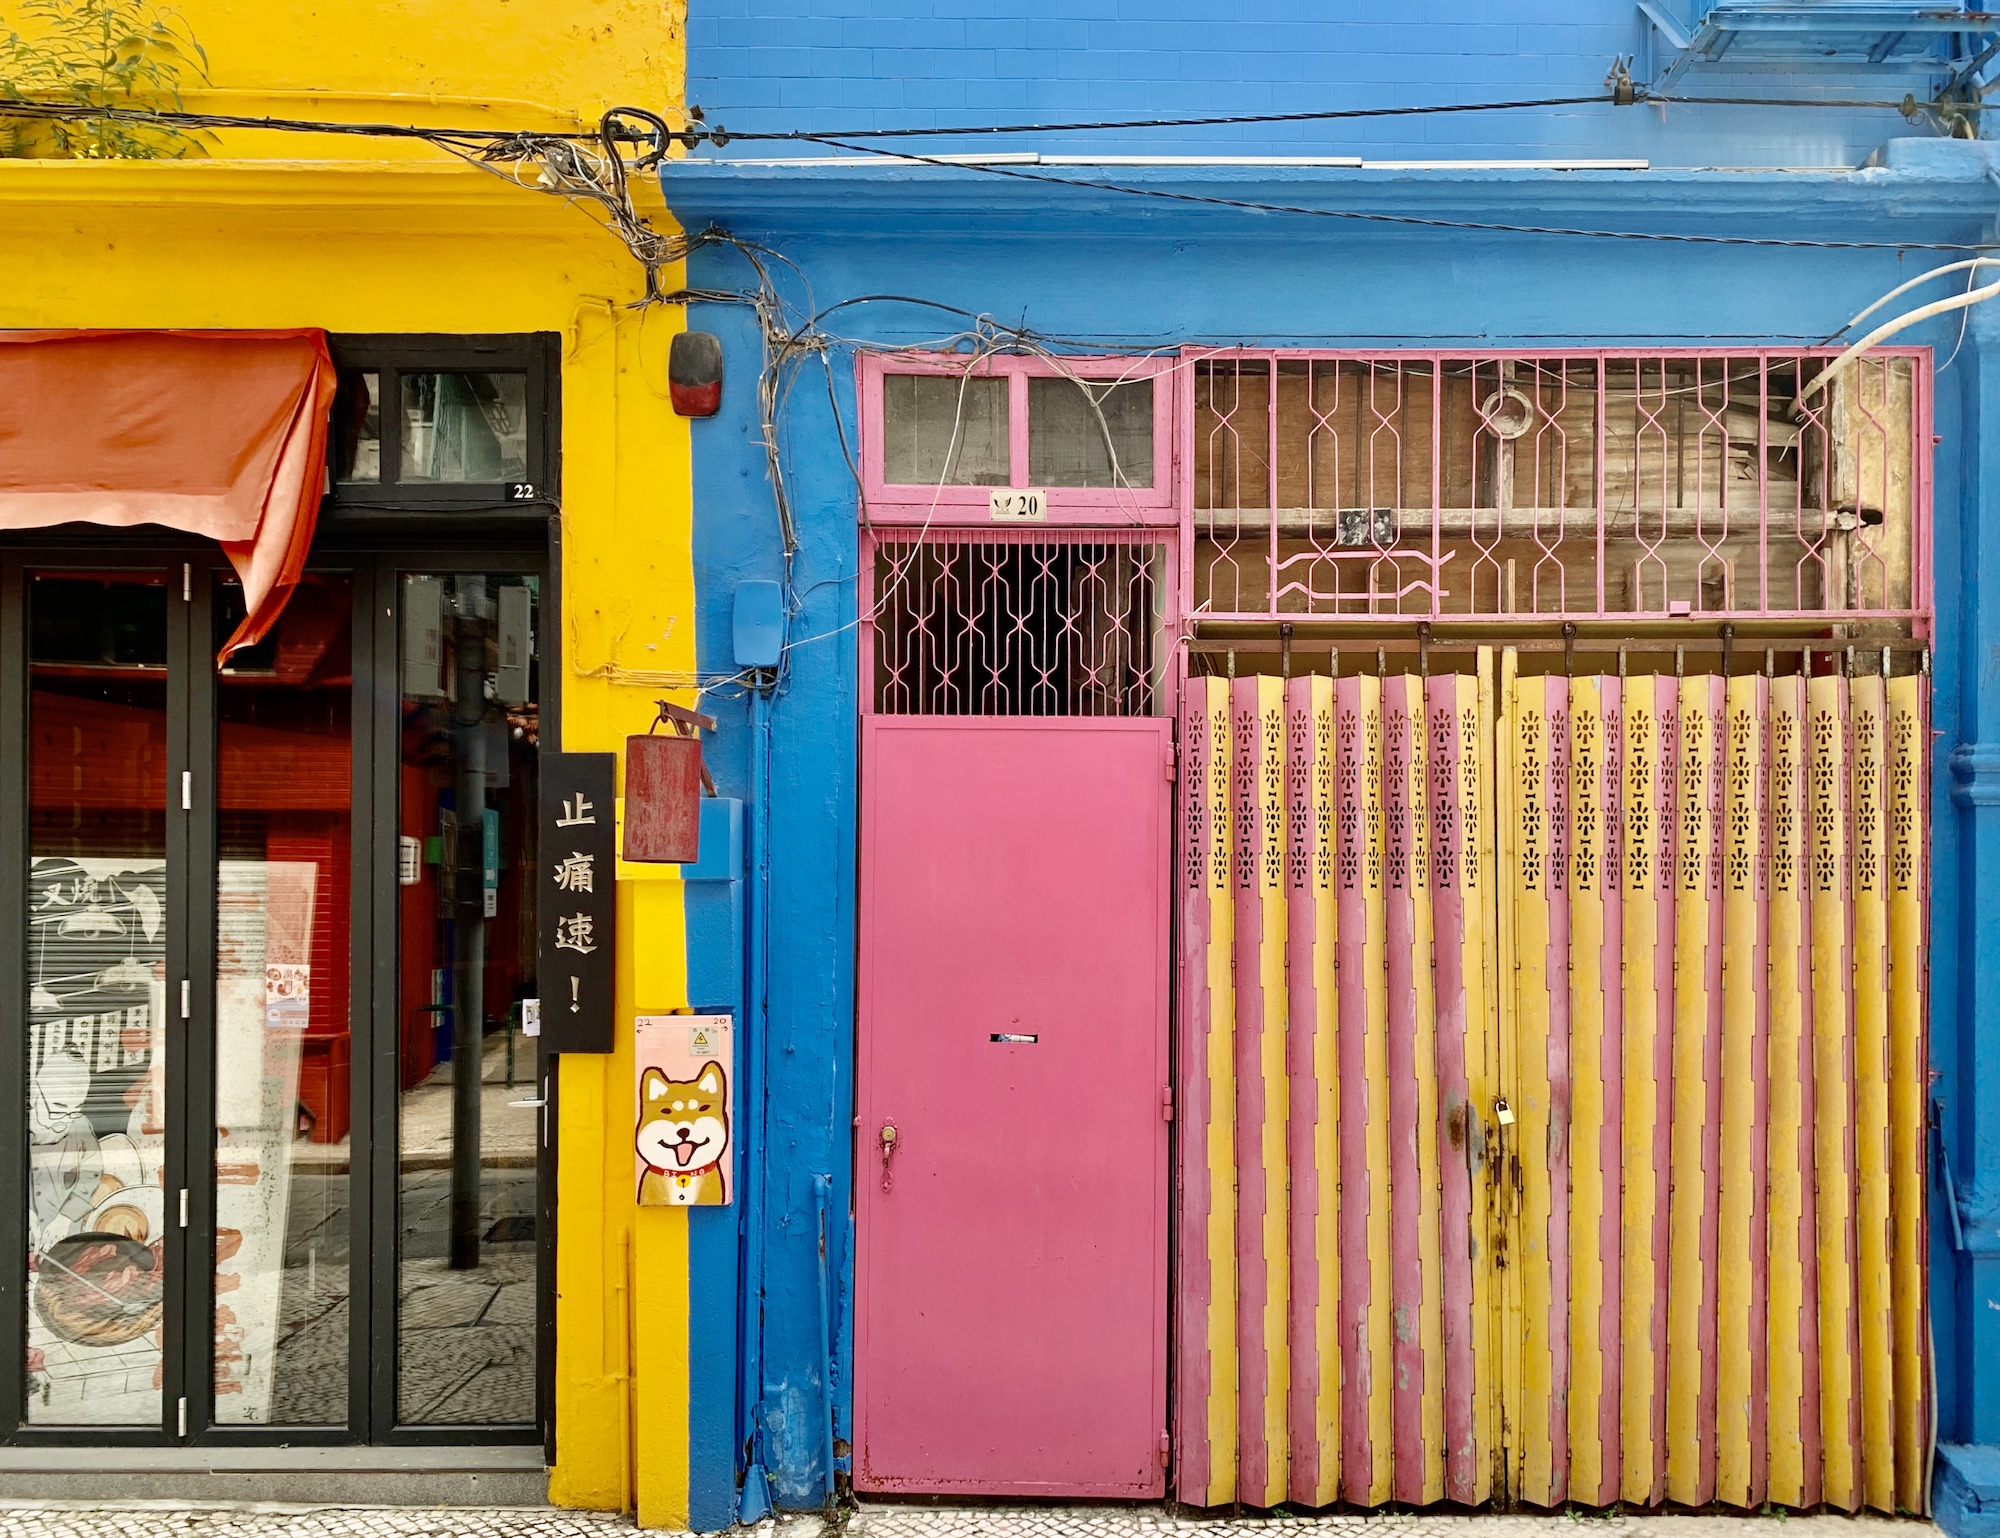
column 374, row 562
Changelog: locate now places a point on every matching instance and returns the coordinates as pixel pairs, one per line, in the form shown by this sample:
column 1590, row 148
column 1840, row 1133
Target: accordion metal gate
column 1552, row 1073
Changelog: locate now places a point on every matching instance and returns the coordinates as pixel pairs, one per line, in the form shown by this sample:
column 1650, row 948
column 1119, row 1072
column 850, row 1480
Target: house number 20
column 1019, row 506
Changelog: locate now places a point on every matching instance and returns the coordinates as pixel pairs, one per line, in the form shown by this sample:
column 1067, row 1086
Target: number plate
column 1018, row 506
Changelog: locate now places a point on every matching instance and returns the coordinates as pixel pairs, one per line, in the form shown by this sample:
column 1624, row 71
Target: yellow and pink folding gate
column 1552, row 1089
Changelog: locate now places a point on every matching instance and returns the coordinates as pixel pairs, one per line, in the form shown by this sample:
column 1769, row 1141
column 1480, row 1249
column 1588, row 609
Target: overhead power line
column 697, row 131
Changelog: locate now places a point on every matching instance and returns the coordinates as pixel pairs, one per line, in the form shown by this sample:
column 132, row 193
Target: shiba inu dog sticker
column 686, row 1100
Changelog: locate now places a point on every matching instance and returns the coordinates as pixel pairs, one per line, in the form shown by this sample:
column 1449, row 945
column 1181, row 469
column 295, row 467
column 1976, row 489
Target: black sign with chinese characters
column 575, row 871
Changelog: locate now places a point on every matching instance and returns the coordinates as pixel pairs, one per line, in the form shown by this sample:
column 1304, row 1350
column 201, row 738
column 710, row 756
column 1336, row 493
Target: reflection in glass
column 465, row 1306
column 1074, row 427
column 922, row 415
column 282, row 1057
column 357, row 425
column 97, row 865
column 464, row 427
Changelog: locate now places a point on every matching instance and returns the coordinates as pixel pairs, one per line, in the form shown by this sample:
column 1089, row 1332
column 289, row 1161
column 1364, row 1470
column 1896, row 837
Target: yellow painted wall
column 355, row 235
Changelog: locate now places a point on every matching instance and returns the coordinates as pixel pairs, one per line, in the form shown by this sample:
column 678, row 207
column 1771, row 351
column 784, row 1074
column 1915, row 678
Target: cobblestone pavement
column 163, row 1519
column 884, row 1521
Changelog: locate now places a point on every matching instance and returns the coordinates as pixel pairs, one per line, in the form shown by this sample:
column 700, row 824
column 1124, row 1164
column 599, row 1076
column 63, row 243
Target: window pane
column 282, row 1051
column 465, row 427
column 1068, row 444
column 357, row 426
column 919, row 413
column 466, row 1215
column 96, row 984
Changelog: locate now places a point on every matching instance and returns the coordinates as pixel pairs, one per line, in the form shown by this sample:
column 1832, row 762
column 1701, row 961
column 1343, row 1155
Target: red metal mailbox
column 664, row 779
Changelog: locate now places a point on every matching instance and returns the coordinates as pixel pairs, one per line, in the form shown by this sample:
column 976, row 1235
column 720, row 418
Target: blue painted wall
column 776, row 66
column 1104, row 270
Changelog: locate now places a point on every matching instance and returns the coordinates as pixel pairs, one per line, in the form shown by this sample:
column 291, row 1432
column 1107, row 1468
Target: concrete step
column 347, row 1476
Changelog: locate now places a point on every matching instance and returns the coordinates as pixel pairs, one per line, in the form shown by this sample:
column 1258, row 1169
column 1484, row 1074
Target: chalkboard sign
column 576, row 864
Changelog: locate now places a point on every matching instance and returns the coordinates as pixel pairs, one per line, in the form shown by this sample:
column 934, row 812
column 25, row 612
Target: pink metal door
column 1010, row 1336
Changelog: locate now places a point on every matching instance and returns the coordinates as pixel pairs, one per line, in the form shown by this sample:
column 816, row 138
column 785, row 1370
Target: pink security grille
column 993, row 623
column 1568, row 486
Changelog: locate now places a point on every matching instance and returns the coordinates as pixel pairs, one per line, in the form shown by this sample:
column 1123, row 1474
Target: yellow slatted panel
column 1686, row 1280
column 1906, row 839
column 1381, row 1308
column 1475, row 768
column 1326, row 1074
column 1833, row 1097
column 1275, row 1305
column 1739, row 1468
column 1589, row 1070
column 1871, row 1092
column 1430, row 1323
column 1792, row 1246
column 1507, row 1208
column 1641, row 874
column 1221, row 1070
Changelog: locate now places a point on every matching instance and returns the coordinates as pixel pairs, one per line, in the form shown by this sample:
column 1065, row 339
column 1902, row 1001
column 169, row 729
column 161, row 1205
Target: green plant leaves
column 124, row 55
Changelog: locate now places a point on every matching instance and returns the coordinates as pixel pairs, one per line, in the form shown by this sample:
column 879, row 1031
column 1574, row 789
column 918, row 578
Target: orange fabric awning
column 216, row 433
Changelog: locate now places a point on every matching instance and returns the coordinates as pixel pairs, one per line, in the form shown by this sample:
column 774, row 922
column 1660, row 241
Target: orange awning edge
column 216, row 433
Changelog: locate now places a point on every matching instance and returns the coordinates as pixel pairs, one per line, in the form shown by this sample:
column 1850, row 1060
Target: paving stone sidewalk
column 174, row 1520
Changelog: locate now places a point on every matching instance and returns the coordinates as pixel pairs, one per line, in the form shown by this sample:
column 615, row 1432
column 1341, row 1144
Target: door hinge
column 184, row 1415
column 187, row 999
column 1166, row 1102
column 187, row 582
column 1173, row 762
column 1166, row 1449
column 187, row 790
column 184, row 1206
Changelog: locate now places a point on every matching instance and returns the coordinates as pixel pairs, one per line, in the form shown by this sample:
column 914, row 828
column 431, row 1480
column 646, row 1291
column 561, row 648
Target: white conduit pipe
column 1902, row 322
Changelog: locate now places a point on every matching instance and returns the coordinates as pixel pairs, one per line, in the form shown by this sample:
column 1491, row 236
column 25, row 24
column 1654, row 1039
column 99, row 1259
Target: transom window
column 1094, row 435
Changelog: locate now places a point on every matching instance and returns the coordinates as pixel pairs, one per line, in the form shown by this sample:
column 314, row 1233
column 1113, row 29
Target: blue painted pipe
column 823, row 1199
column 755, row 1503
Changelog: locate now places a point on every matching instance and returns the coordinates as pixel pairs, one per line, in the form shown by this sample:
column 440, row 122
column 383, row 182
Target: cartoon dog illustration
column 683, row 1129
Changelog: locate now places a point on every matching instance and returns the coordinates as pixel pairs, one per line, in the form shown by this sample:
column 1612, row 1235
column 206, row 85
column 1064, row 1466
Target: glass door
column 103, row 869
column 470, row 1124
column 279, row 1076
column 280, row 1124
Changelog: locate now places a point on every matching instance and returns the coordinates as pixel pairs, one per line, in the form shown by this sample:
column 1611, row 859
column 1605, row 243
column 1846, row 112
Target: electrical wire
column 1903, row 322
column 695, row 131
column 721, row 136
column 1419, row 221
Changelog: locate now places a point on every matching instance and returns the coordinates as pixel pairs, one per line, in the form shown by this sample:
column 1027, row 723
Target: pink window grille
column 1558, row 486
column 1014, row 622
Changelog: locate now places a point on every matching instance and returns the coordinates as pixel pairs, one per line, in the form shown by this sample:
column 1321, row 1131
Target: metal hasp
column 1800, row 34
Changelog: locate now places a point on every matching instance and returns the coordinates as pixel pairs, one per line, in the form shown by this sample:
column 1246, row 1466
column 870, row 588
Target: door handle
column 536, row 1103
column 888, row 1150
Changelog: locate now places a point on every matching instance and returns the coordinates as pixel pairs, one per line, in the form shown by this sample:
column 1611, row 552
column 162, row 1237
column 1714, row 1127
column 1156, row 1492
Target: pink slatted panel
column 1399, row 841
column 1311, row 1133
column 1455, row 1112
column 1711, row 1060
column 1556, row 712
column 1352, row 837
column 1608, row 979
column 1253, row 1196
column 1194, row 1368
column 1666, row 694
